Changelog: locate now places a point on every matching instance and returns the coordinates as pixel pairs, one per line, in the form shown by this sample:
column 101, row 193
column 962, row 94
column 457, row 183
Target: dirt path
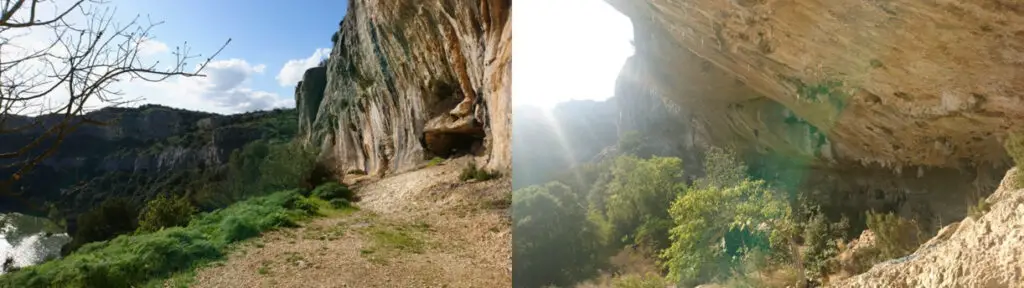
column 423, row 228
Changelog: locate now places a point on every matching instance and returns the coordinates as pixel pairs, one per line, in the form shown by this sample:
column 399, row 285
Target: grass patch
column 398, row 240
column 435, row 161
column 392, row 240
column 501, row 203
column 330, row 234
column 294, row 257
column 264, row 269
column 131, row 260
column 474, row 173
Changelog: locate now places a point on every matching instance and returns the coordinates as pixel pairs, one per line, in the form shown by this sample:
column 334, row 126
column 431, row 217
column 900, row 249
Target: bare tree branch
column 58, row 80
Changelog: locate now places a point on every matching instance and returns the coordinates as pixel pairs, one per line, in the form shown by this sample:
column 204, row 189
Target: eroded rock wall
column 892, row 105
column 897, row 83
column 408, row 80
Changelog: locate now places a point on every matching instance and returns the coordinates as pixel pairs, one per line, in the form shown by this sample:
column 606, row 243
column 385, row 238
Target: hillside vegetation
column 641, row 221
column 152, row 256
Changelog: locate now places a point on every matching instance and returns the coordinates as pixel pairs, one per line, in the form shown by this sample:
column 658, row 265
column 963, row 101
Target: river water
column 29, row 240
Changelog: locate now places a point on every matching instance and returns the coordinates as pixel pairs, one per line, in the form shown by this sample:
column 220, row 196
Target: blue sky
column 265, row 36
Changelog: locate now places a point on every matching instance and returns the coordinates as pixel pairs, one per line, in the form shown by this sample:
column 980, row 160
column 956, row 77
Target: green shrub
column 546, row 221
column 166, row 211
column 975, row 211
column 113, row 217
column 300, row 203
column 317, row 176
column 262, row 167
column 820, row 237
column 895, row 236
column 340, row 203
column 472, row 172
column 334, row 190
column 707, row 218
column 132, row 260
column 638, row 197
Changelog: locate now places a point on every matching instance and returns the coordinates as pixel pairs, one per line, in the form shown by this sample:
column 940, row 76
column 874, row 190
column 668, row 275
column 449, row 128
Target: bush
column 746, row 217
column 300, row 203
column 340, row 203
column 113, row 217
column 977, row 210
column 334, row 190
column 133, row 260
column 166, row 211
column 472, row 172
column 554, row 243
column 820, row 237
column 895, row 236
column 317, row 176
column 638, row 198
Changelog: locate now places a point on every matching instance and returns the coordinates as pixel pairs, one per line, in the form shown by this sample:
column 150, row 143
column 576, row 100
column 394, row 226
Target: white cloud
column 150, row 47
column 225, row 89
column 291, row 72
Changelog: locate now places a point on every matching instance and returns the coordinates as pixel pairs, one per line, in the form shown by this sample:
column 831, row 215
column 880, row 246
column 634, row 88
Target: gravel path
column 423, row 228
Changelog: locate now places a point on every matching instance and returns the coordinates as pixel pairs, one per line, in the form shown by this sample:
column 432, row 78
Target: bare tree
column 69, row 73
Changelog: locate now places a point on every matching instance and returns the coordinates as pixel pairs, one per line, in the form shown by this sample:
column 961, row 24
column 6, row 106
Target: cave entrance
column 448, row 144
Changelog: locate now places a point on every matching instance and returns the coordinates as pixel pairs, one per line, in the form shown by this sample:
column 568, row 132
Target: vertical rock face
column 408, row 80
column 898, row 105
column 309, row 93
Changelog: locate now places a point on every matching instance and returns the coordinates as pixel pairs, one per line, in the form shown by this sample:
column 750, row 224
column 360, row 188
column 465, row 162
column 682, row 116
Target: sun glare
column 566, row 50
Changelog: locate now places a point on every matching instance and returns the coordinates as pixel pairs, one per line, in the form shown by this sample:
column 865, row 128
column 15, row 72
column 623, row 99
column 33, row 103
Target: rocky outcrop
column 408, row 80
column 309, row 93
column 896, row 83
column 894, row 106
column 983, row 252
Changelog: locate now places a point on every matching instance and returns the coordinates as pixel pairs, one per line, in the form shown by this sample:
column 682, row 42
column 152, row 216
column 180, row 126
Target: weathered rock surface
column 309, row 93
column 983, row 252
column 894, row 106
column 896, row 83
column 408, row 80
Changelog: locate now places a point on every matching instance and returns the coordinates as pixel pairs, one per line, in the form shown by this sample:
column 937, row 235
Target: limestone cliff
column 897, row 105
column 897, row 83
column 408, row 80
